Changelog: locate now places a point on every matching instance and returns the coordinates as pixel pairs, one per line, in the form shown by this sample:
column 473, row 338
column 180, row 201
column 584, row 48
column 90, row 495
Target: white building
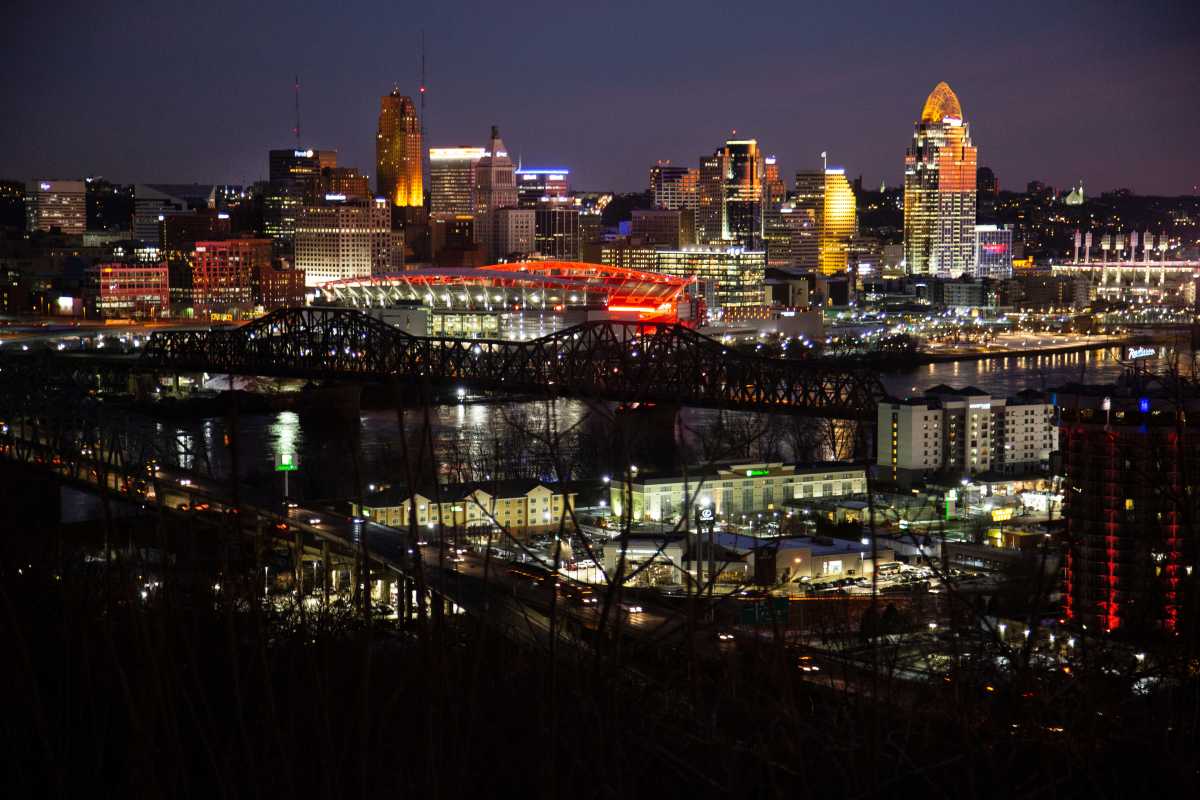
column 734, row 489
column 56, row 204
column 966, row 431
column 351, row 239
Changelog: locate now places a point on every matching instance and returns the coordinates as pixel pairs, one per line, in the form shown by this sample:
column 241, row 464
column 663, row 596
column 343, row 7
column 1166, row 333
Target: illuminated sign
column 757, row 473
column 456, row 153
column 286, row 462
column 302, row 153
column 44, row 186
column 222, row 215
column 335, row 197
column 995, row 248
column 706, row 514
column 1141, row 352
column 1002, row 514
column 983, row 406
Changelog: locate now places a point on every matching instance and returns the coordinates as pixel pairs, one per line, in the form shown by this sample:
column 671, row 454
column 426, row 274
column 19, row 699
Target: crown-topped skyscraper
column 398, row 156
column 939, row 190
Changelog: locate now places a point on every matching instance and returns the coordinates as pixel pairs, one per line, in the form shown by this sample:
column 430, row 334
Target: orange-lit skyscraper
column 939, row 190
column 838, row 222
column 398, row 151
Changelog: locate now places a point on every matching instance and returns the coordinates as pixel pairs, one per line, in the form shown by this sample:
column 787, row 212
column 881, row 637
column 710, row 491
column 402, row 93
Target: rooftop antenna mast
column 296, row 130
column 424, row 140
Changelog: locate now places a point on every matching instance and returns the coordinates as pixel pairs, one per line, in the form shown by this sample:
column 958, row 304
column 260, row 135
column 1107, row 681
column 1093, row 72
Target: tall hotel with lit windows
column 939, row 190
column 398, row 150
column 452, row 179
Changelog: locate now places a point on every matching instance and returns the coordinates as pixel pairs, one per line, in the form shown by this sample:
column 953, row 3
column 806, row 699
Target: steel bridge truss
column 618, row 361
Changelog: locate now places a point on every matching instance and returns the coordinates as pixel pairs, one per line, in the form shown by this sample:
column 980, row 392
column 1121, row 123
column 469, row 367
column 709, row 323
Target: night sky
column 199, row 91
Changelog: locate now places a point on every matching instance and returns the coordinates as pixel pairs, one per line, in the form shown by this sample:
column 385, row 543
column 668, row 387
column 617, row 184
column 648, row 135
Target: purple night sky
column 1104, row 91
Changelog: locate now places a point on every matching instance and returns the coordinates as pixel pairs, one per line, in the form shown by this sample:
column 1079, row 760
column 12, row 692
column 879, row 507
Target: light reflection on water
column 333, row 460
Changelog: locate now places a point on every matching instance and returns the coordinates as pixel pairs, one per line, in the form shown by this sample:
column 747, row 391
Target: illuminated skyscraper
column 939, row 190
column 744, row 193
column 674, row 187
column 452, row 179
column 536, row 187
column 825, row 196
column 838, row 223
column 495, row 181
column 710, row 193
column 730, row 203
column 398, row 151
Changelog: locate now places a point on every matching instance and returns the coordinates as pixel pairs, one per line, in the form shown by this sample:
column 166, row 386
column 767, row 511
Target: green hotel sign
column 757, row 473
column 286, row 462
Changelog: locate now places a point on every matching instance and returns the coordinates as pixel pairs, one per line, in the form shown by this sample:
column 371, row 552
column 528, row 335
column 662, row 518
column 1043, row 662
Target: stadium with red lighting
column 523, row 299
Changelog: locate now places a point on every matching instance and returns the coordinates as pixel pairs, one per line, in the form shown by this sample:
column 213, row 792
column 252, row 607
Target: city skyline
column 1090, row 83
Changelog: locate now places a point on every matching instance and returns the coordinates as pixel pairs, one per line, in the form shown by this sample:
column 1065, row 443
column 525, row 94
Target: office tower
column 345, row 182
column 1130, row 461
column 278, row 288
column 674, row 187
column 507, row 233
column 966, row 432
column 993, row 251
column 809, row 202
column 556, row 232
column 730, row 277
column 838, row 223
column 224, row 272
column 987, row 192
column 663, row 227
column 744, row 193
column 824, row 197
column 791, row 237
column 710, row 198
column 300, row 169
column 939, row 190
column 495, row 181
column 398, row 152
column 452, row 179
column 538, row 186
column 12, row 205
column 151, row 204
column 452, row 241
column 56, row 204
column 109, row 205
column 774, row 189
column 350, row 239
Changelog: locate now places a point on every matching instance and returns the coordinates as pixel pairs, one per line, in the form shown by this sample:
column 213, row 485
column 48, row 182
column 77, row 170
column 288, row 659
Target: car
column 185, row 481
column 631, row 609
column 314, row 520
column 725, row 637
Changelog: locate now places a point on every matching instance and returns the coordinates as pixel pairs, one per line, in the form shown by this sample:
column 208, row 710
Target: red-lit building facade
column 132, row 290
column 1131, row 465
column 224, row 273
